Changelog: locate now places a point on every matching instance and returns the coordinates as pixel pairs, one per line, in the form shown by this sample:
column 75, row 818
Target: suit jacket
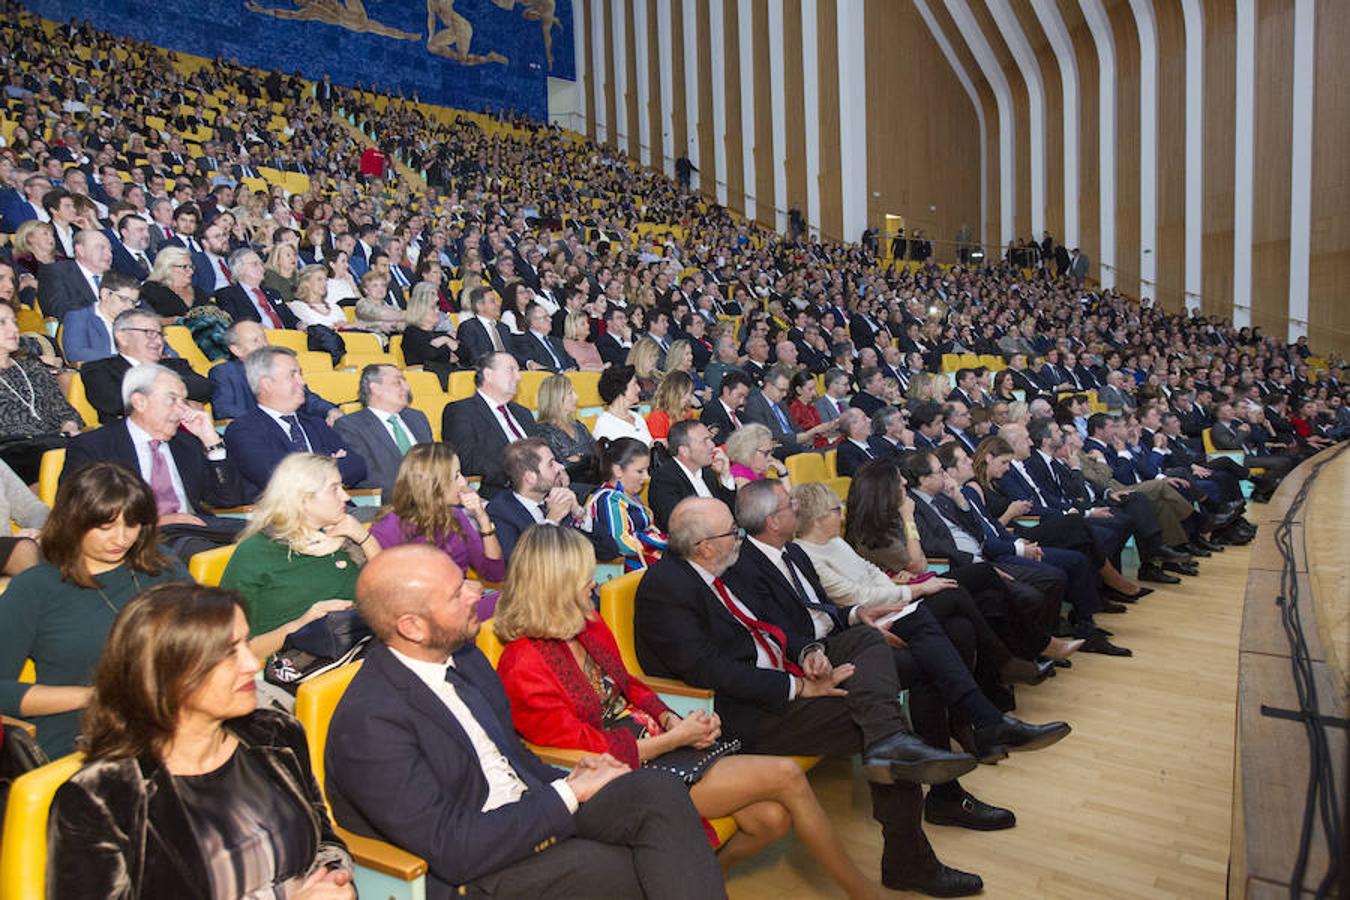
column 936, row 538
column 366, row 434
column 123, row 261
column 866, row 402
column 1114, row 398
column 84, row 336
column 766, row 590
column 231, row 396
column 683, row 631
column 759, row 409
column 472, row 428
column 103, row 383
column 828, row 408
column 715, row 416
column 1027, row 380
column 526, row 348
column 510, row 518
column 965, row 439
column 611, row 351
column 62, row 287
column 203, row 270
column 474, row 341
column 1227, row 437
column 670, row 485
column 881, row 448
column 401, row 768
column 234, row 301
column 130, row 808
column 214, row 483
column 257, row 444
column 850, row 457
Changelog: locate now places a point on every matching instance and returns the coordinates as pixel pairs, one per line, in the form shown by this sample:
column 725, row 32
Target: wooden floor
column 1136, row 803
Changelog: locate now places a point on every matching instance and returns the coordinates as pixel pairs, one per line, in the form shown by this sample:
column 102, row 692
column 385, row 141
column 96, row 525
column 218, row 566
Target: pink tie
column 161, row 482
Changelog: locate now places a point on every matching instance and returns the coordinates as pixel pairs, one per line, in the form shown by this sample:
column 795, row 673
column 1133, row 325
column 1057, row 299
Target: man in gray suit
column 1078, row 266
column 768, row 407
column 836, row 389
column 385, row 428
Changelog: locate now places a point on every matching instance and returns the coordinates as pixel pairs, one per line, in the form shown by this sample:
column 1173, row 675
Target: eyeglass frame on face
column 150, row 332
column 182, row 265
column 737, row 532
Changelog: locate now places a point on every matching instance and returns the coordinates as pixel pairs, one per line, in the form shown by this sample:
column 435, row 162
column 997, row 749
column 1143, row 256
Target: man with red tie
column 247, row 300
column 482, row 425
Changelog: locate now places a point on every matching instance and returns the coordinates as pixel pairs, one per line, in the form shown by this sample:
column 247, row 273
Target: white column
column 691, row 111
column 1030, row 68
column 1147, row 27
column 601, row 73
column 745, row 39
column 664, row 28
column 969, row 86
column 1058, row 35
column 579, row 60
column 619, row 18
column 717, row 59
column 993, row 73
column 852, row 118
column 811, row 112
column 1300, row 189
column 778, row 111
column 641, row 55
column 1100, row 26
column 1244, row 152
column 1193, row 13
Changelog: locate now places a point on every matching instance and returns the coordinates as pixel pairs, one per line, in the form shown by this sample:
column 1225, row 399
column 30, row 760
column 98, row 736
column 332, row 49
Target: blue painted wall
column 239, row 29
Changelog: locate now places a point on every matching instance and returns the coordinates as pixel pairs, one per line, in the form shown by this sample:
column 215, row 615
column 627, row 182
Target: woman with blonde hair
column 643, row 357
column 673, row 402
column 374, row 310
column 680, row 358
column 571, row 442
column 577, row 342
column 311, row 304
column 34, row 246
column 750, row 449
column 169, row 290
column 568, row 687
column 301, row 552
column 433, row 504
column 423, row 345
column 283, row 263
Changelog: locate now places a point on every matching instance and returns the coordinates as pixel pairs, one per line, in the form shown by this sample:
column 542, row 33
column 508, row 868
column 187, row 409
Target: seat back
column 618, row 598
column 335, row 387
column 461, row 385
column 180, row 339
column 487, row 642
column 208, row 566
column 49, row 474
column 315, row 701
column 805, row 468
column 527, row 394
column 77, row 398
column 587, row 386
column 23, row 845
column 291, row 338
column 1208, row 440
column 832, row 463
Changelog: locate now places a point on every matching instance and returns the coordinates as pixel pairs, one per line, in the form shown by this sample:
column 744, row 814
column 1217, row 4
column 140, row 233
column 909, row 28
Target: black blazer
column 402, row 769
column 472, row 428
column 215, row 483
column 683, row 631
column 130, row 810
column 611, row 351
column 526, row 348
column 234, row 301
column 936, row 538
column 866, row 402
column 849, row 457
column 103, row 383
column 474, row 341
column 510, row 518
column 714, row 415
column 62, row 287
column 763, row 588
column 669, row 486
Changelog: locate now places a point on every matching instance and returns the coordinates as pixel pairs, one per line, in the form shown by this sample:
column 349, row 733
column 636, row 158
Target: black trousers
column 1276, row 468
column 957, row 613
column 1066, row 533
column 842, row 726
column 944, row 666
column 1018, row 613
column 639, row 836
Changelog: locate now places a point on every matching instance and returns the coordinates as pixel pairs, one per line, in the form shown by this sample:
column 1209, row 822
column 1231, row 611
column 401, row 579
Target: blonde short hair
column 576, row 327
column 644, row 357
column 815, row 500
column 165, row 260
column 744, row 441
column 552, row 393
column 545, row 591
column 310, row 284
column 280, row 511
column 679, row 353
column 424, row 299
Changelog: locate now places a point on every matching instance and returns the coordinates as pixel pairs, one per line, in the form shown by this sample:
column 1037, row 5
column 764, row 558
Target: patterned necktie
column 768, row 637
column 488, row 721
column 266, row 308
column 161, row 482
column 296, row 434
column 401, row 440
column 800, row 587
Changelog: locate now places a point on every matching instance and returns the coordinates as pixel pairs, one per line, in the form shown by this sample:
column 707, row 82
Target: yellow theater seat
column 23, row 846
column 335, row 387
column 49, row 473
column 76, row 397
column 207, row 567
column 527, row 394
column 587, row 386
column 180, row 339
column 806, row 468
column 832, row 463
column 290, row 338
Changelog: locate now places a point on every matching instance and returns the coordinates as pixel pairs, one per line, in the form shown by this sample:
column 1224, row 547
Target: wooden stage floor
column 1136, row 803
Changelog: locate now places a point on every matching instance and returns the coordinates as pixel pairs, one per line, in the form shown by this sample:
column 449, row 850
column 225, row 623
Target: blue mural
column 471, row 54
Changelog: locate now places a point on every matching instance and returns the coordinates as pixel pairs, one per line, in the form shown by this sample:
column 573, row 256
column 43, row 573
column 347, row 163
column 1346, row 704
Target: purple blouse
column 466, row 549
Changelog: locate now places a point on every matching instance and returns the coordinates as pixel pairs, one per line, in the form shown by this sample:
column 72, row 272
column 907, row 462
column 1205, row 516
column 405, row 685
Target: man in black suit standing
column 482, row 333
column 723, row 415
column 421, row 752
column 780, row 694
column 247, row 299
column 698, row 468
column 539, row 494
column 537, row 349
column 139, row 339
column 482, row 425
column 385, row 428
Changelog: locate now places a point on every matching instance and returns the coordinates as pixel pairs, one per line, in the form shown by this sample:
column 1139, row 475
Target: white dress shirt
column 822, row 622
column 504, row 785
column 503, row 419
column 285, row 426
column 144, row 460
column 762, row 660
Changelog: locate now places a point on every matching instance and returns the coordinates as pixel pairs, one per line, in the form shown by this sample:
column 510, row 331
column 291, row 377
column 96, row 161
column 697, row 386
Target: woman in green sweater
column 300, row 554
column 101, row 544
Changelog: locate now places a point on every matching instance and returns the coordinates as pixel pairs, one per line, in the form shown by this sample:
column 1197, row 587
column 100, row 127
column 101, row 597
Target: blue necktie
column 557, row 363
column 488, row 721
column 782, row 419
column 296, row 434
column 829, row 609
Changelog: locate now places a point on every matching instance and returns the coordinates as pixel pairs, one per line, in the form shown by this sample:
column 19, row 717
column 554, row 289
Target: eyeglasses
column 181, row 266
column 148, row 332
column 737, row 533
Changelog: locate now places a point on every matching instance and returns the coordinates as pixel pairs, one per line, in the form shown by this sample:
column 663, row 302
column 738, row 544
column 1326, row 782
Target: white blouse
column 848, row 578
column 608, row 425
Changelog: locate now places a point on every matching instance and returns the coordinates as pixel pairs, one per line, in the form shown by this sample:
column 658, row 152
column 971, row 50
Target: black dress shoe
column 903, row 757
column 1185, row 568
column 1057, row 663
column 1011, row 735
column 1151, row 571
column 944, row 881
column 1206, row 544
column 966, row 812
column 1110, row 607
column 1099, row 644
column 1195, row 550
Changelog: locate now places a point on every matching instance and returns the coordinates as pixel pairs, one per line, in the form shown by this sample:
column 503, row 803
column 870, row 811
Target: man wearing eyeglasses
column 779, row 694
column 139, row 339
column 86, row 333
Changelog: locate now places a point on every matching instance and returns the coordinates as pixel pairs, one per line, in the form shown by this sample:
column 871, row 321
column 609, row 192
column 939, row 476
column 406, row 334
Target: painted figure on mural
column 453, row 40
column 349, row 14
column 541, row 11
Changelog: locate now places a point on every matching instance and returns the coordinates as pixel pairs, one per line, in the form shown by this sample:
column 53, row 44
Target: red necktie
column 225, row 270
column 267, row 309
column 510, row 423
column 768, row 637
column 734, row 421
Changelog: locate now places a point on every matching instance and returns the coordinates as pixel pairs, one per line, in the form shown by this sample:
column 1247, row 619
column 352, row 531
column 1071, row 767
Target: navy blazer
column 471, row 427
column 526, row 348
column 510, row 518
column 936, row 537
column 401, row 768
column 122, row 260
column 234, row 301
column 84, row 336
column 257, row 444
column 231, row 396
column 998, row 541
column 1050, row 483
column 849, row 457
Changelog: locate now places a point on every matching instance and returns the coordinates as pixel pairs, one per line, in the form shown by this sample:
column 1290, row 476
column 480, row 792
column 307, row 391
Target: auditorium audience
column 623, row 524
column 569, row 439
column 139, row 339
column 385, row 428
column 34, row 414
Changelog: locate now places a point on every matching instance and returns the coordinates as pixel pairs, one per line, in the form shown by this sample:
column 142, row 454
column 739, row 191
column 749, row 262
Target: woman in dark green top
column 301, row 553
column 101, row 547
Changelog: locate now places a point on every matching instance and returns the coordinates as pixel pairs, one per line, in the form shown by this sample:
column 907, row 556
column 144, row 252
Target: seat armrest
column 1028, row 521
column 562, row 757
column 383, row 857
column 20, row 723
column 939, row 564
column 678, row 688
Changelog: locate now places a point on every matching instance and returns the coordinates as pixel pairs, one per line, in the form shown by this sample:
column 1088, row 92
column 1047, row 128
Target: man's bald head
column 401, row 581
column 701, row 532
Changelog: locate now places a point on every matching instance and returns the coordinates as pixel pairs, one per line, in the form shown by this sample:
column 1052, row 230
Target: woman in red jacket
column 568, row 688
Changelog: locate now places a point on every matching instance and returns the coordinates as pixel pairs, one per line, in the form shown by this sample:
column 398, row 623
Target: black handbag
column 689, row 763
column 326, row 340
column 322, row 645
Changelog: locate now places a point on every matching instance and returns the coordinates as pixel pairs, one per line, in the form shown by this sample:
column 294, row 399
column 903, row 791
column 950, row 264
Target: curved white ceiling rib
column 1147, row 26
column 1193, row 16
column 1030, row 67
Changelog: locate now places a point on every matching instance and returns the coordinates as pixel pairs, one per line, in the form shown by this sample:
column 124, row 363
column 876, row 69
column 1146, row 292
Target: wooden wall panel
column 611, row 117
column 592, row 65
column 922, row 134
column 1216, row 251
column 1126, row 253
column 1089, row 134
column 1021, row 117
column 763, row 182
column 732, row 139
column 679, row 54
column 707, row 136
column 831, row 215
column 1054, row 118
column 656, row 113
column 795, row 161
column 1272, row 161
column 1171, row 246
column 630, row 98
column 1329, row 268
